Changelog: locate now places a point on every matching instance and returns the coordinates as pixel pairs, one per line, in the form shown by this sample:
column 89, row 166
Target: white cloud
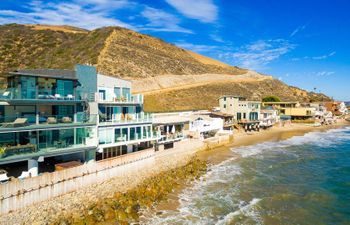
column 85, row 14
column 259, row 54
column 324, row 73
column 216, row 38
column 203, row 10
column 324, row 56
column 162, row 21
column 297, row 30
column 316, row 57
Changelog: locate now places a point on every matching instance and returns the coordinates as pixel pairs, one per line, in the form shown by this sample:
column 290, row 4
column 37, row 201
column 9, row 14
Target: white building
column 204, row 126
column 240, row 108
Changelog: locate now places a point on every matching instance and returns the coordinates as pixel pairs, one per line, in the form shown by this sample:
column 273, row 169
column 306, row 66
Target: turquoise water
column 302, row 180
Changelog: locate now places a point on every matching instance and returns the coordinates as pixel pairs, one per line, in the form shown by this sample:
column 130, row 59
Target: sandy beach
column 76, row 202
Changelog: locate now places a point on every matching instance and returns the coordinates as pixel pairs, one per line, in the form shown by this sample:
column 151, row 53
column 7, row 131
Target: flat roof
column 49, row 73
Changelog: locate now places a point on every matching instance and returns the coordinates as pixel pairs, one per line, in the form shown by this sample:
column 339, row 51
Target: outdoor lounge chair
column 19, row 122
column 70, row 97
column 51, row 120
column 58, row 96
column 66, row 119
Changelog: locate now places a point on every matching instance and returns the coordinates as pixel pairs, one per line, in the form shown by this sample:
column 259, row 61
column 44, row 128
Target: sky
column 304, row 43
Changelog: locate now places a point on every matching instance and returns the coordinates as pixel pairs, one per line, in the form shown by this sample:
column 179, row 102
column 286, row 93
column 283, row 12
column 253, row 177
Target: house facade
column 240, row 108
column 122, row 125
column 50, row 116
column 44, row 118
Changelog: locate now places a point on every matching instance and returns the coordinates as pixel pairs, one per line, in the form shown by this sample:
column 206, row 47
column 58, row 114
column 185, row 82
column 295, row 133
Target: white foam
column 245, row 209
column 321, row 139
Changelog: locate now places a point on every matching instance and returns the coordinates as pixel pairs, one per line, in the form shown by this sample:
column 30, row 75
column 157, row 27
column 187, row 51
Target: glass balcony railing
column 122, row 99
column 125, row 118
column 25, row 144
column 33, row 121
column 171, row 137
column 38, row 94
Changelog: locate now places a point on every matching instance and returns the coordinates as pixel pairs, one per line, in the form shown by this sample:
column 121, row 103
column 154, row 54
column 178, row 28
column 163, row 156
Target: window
column 244, row 115
column 224, row 98
column 28, row 87
column 224, row 106
column 132, row 133
column 117, row 92
column 102, row 94
column 65, row 87
column 126, row 93
column 239, row 116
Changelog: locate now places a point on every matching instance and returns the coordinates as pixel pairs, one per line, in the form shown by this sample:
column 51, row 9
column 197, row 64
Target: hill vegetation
column 127, row 54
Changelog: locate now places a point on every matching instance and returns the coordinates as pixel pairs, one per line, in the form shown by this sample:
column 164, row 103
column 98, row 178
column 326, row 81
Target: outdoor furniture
column 58, row 96
column 19, row 122
column 3, row 176
column 6, row 94
column 70, row 97
column 66, row 119
column 51, row 120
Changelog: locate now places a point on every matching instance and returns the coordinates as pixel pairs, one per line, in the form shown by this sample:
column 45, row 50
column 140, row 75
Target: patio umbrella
column 173, row 130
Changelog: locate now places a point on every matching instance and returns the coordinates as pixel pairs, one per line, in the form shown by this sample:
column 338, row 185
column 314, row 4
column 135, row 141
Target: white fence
column 20, row 193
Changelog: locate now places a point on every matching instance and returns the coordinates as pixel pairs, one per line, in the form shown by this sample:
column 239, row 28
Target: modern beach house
column 53, row 116
column 44, row 118
column 123, row 127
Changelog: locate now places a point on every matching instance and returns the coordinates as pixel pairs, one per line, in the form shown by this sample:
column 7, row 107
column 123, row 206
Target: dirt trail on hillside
column 175, row 82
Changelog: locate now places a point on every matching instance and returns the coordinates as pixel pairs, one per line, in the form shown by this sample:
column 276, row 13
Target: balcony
column 171, row 137
column 130, row 118
column 33, row 122
column 133, row 99
column 41, row 95
column 24, row 145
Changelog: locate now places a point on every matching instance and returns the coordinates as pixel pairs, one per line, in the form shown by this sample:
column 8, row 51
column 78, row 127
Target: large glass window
column 132, row 133
column 118, row 135
column 65, row 88
column 138, row 132
column 28, row 88
column 126, row 93
column 102, row 94
column 106, row 136
column 125, row 134
column 46, row 87
column 117, row 92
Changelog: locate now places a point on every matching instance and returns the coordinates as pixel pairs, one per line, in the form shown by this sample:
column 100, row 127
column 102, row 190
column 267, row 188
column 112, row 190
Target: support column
column 129, row 148
column 36, row 115
column 33, row 167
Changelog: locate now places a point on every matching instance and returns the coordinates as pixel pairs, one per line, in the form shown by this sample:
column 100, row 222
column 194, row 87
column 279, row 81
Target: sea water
column 301, row 180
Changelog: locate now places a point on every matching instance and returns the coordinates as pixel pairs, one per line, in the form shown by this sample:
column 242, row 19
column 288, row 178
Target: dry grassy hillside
column 131, row 54
column 115, row 51
column 205, row 96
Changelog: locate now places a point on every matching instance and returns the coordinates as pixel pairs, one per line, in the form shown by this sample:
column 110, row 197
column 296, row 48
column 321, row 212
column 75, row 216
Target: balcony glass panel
column 14, row 145
column 28, row 90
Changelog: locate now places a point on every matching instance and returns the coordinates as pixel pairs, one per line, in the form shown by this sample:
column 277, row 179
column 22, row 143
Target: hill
column 171, row 78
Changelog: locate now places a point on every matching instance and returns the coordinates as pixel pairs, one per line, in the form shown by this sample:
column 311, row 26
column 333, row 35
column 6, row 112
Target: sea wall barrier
column 17, row 194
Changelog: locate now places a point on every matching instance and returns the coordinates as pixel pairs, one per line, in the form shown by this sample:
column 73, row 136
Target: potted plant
column 2, row 151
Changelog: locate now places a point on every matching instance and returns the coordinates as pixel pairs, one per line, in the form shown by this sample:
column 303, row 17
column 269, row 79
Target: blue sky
column 304, row 43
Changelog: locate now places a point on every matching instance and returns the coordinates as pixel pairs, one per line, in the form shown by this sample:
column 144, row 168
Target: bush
column 271, row 99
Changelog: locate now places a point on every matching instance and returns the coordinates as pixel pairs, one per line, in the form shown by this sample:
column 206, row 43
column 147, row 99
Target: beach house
column 122, row 125
column 240, row 108
column 294, row 110
column 44, row 119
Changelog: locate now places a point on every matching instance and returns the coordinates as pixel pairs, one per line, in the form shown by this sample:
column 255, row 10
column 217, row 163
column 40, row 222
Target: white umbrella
column 173, row 130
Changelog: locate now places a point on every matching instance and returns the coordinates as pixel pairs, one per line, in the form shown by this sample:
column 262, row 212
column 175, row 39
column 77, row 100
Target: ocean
column 301, row 180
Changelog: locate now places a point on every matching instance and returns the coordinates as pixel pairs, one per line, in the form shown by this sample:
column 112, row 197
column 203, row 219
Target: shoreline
column 48, row 211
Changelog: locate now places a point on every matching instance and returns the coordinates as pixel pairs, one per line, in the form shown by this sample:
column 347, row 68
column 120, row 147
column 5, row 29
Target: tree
column 271, row 99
